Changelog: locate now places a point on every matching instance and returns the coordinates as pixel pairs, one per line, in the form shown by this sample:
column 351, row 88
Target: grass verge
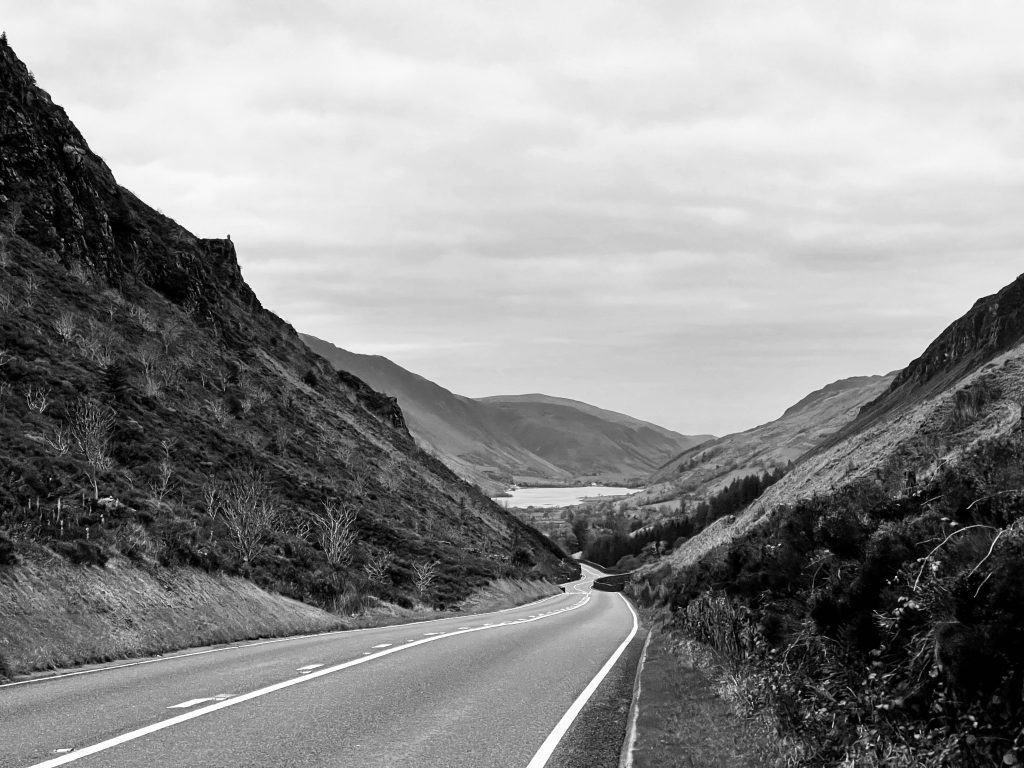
column 691, row 711
column 55, row 615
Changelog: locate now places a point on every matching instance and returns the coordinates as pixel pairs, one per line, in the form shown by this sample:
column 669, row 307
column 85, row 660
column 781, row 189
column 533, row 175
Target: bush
column 8, row 550
column 82, row 552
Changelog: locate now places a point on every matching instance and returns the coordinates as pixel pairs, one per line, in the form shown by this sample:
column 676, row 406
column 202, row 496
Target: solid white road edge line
column 107, row 668
column 551, row 742
column 626, row 758
column 78, row 754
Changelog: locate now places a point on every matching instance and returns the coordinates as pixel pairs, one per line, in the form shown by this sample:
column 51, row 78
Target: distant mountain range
column 532, row 438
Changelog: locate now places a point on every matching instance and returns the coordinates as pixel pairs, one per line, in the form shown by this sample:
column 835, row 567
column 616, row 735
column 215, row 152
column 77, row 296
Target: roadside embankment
column 57, row 615
column 688, row 713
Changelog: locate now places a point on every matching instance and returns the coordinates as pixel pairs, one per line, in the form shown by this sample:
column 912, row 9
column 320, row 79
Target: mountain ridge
column 499, row 440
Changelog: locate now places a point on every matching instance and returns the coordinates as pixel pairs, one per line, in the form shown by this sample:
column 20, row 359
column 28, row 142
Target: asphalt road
column 544, row 684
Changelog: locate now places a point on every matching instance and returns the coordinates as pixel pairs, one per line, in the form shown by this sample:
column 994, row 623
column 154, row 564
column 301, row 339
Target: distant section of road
column 542, row 684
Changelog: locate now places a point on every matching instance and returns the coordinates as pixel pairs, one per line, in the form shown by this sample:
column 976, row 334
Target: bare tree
column 250, row 511
column 60, row 441
column 90, row 426
column 65, row 327
column 165, row 470
column 38, row 399
column 377, row 566
column 218, row 411
column 335, row 529
column 170, row 331
column 96, row 345
column 424, row 576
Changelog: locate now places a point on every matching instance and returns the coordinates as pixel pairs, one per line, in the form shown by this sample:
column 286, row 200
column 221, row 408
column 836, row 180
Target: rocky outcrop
column 993, row 325
column 59, row 195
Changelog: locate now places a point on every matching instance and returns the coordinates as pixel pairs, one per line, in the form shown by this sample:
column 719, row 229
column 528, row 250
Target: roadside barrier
column 614, row 583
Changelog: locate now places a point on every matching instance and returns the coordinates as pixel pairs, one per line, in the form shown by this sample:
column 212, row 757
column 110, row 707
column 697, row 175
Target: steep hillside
column 965, row 389
column 706, row 469
column 153, row 412
column 529, row 438
column 870, row 602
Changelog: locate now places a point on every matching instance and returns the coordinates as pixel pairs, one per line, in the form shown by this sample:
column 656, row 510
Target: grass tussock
column 58, row 615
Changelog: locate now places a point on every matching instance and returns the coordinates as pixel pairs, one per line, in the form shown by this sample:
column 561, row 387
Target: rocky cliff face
column 106, row 304
column 993, row 325
column 59, row 195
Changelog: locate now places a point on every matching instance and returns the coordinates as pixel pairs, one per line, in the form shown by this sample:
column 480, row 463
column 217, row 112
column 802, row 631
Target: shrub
column 82, row 552
column 8, row 550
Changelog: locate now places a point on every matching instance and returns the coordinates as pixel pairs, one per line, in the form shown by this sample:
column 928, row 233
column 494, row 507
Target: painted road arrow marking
column 190, row 703
column 308, row 668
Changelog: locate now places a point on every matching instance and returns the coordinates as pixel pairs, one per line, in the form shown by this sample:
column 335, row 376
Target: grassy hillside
column 152, row 411
column 57, row 615
column 698, row 474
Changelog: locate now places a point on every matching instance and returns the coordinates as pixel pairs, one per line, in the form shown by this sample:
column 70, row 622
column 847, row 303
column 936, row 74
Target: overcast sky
column 691, row 212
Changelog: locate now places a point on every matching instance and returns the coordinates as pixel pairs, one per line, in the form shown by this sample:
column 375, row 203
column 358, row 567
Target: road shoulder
column 682, row 721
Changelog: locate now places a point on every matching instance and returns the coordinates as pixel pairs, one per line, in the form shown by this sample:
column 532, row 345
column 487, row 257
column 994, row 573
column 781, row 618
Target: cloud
column 692, row 212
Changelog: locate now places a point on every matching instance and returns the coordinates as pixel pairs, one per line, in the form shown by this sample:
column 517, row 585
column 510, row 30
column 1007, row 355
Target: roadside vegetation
column 614, row 535
column 877, row 630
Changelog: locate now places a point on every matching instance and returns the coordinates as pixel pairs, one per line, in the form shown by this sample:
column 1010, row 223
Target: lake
column 558, row 497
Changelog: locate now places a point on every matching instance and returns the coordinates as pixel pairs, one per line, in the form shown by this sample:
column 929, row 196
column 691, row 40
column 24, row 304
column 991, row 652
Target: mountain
column 588, row 441
column 706, row 469
column 153, row 412
column 526, row 438
column 964, row 390
column 871, row 598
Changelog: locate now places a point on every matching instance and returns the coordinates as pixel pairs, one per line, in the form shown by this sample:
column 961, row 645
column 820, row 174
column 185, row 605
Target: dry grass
column 507, row 593
column 496, row 596
column 58, row 615
column 692, row 714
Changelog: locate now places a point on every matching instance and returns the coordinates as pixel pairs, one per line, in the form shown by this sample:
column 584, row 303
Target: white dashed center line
column 308, row 668
column 383, row 645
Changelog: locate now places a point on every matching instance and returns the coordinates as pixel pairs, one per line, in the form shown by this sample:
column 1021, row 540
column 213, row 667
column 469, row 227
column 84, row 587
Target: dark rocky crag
column 105, row 300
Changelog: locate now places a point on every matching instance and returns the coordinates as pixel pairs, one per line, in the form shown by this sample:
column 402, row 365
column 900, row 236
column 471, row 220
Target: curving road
column 546, row 684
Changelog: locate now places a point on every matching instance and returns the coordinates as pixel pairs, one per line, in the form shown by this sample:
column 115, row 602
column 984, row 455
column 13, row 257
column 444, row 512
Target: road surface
column 546, row 684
